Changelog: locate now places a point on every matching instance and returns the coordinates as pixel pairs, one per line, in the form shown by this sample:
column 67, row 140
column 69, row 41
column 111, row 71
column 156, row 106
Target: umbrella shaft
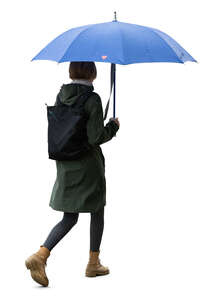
column 114, row 91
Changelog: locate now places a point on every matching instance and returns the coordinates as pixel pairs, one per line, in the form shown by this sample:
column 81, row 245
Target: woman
column 80, row 184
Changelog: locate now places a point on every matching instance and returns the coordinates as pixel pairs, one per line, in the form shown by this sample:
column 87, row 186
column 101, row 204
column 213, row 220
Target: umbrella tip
column 115, row 16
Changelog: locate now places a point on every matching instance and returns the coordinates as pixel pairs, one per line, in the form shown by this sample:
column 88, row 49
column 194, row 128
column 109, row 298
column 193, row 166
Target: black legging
column 68, row 221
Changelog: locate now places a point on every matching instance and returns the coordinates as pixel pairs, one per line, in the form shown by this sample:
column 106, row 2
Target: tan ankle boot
column 94, row 266
column 36, row 263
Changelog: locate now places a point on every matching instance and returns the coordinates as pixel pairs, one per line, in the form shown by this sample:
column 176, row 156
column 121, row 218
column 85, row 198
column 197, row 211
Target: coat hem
column 76, row 211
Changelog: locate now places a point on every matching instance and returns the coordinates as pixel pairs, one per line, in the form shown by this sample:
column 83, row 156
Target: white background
column 159, row 234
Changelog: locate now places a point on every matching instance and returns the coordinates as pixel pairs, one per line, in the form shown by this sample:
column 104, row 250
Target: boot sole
column 94, row 274
column 33, row 267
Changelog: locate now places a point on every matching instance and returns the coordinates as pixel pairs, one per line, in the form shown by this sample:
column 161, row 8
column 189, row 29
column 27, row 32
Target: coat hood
column 69, row 93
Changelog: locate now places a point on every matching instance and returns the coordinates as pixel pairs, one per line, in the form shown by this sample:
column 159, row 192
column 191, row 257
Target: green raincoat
column 80, row 184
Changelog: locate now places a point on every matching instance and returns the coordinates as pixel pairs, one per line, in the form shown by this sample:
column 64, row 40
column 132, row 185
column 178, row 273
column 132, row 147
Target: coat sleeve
column 96, row 131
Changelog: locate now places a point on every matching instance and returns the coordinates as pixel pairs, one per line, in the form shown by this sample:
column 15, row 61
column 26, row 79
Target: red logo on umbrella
column 104, row 56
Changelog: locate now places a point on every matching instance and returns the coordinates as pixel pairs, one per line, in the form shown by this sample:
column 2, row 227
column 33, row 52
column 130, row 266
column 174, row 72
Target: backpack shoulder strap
column 58, row 102
column 82, row 99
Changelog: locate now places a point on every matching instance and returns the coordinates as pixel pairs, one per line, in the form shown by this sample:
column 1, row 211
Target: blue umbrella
column 116, row 43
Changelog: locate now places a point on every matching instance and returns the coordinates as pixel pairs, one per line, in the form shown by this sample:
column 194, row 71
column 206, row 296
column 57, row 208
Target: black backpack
column 67, row 136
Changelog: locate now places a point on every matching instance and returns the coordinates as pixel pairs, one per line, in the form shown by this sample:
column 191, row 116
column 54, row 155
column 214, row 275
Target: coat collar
column 82, row 81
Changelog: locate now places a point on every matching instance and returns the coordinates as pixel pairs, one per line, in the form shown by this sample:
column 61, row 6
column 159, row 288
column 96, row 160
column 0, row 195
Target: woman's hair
column 82, row 70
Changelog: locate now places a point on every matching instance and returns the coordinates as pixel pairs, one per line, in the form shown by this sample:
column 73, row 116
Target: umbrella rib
column 152, row 29
column 121, row 41
column 76, row 38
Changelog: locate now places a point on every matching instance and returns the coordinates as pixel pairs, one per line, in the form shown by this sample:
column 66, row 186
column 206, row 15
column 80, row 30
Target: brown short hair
column 82, row 70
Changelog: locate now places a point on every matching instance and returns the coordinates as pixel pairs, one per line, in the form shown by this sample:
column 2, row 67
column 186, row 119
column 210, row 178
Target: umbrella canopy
column 116, row 43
